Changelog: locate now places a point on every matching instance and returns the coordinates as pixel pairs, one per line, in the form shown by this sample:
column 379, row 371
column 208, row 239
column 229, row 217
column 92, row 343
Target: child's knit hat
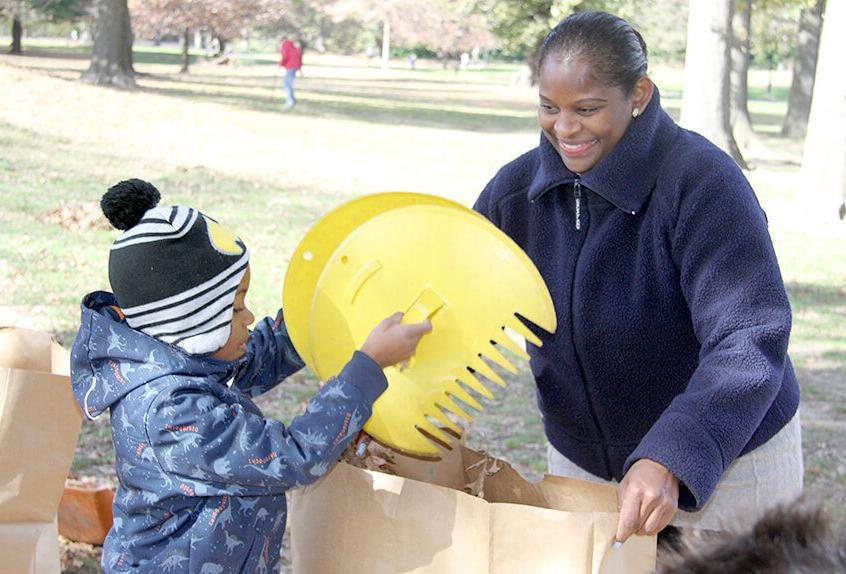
column 174, row 271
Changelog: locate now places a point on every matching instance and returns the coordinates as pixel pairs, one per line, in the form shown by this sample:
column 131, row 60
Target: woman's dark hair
column 615, row 50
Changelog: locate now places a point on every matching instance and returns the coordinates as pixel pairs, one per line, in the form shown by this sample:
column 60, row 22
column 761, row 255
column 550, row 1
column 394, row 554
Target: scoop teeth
column 498, row 358
column 484, row 369
column 418, row 442
column 440, row 416
column 450, row 405
column 507, row 342
column 521, row 329
column 428, row 428
column 466, row 377
column 458, row 392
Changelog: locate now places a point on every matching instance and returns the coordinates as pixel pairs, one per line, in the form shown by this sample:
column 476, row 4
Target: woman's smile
column 576, row 149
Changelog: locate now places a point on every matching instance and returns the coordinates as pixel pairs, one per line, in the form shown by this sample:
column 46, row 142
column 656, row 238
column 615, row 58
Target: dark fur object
column 126, row 202
column 790, row 539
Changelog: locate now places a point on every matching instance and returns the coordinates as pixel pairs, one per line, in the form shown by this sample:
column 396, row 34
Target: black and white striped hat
column 174, row 271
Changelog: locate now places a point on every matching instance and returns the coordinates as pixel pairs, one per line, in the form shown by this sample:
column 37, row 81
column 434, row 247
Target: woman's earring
column 635, row 113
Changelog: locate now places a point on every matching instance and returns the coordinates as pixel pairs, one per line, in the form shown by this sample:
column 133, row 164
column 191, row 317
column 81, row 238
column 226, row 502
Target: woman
column 669, row 370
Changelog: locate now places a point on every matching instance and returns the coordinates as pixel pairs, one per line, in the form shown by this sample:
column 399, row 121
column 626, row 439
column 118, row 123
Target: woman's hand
column 390, row 342
column 648, row 497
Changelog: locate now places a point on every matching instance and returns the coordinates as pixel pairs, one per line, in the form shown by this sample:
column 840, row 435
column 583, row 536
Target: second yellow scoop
column 431, row 258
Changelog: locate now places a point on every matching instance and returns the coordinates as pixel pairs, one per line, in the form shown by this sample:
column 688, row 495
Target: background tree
column 447, row 27
column 308, row 22
column 705, row 102
column 741, row 123
column 228, row 18
column 51, row 10
column 154, row 18
column 773, row 33
column 111, row 55
column 394, row 17
column 456, row 27
column 225, row 18
column 824, row 163
column 804, row 67
column 521, row 26
column 15, row 9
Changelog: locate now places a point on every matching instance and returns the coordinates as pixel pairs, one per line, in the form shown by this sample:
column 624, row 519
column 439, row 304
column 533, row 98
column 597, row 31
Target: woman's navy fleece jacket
column 672, row 315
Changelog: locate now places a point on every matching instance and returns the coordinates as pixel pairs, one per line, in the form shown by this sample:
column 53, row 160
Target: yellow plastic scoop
column 430, row 258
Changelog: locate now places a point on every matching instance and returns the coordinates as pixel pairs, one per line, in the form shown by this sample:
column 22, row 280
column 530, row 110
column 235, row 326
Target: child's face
column 242, row 318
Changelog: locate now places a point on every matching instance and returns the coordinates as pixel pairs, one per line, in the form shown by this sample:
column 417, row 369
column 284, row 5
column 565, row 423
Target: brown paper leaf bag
column 355, row 521
column 29, row 548
column 39, row 426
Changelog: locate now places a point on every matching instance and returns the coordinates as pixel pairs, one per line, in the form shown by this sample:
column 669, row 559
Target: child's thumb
column 422, row 327
column 393, row 319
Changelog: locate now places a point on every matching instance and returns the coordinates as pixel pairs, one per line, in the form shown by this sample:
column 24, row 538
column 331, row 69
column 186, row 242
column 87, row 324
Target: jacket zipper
column 577, row 194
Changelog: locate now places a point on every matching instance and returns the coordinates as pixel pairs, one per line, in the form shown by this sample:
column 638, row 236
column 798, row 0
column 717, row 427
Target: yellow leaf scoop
column 431, row 258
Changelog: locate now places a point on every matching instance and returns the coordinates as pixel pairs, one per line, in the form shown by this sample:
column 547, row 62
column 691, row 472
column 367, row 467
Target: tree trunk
column 804, row 67
column 532, row 62
column 386, row 42
column 824, row 164
column 17, row 32
column 741, row 123
column 186, row 39
column 111, row 55
column 705, row 102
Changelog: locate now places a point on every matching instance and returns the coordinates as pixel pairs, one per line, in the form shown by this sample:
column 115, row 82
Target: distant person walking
column 292, row 61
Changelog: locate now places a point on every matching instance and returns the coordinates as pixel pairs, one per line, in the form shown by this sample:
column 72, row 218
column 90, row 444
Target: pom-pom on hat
column 173, row 270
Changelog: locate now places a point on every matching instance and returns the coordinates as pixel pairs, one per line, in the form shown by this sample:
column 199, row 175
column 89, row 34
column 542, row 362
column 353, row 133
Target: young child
column 202, row 473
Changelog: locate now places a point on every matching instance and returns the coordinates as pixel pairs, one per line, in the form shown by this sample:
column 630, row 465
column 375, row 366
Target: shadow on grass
column 362, row 110
column 84, row 53
column 369, row 99
column 64, row 52
column 384, row 94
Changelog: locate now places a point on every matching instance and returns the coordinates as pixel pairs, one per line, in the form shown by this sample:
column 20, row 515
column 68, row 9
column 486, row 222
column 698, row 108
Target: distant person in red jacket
column 291, row 61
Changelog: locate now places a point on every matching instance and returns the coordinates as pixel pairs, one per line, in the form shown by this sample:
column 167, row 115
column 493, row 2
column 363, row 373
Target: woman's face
column 581, row 117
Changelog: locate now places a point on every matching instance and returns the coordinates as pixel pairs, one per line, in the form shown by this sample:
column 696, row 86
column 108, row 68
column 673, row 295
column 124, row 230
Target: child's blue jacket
column 202, row 473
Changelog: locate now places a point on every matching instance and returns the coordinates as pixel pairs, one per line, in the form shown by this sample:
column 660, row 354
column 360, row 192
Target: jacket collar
column 626, row 176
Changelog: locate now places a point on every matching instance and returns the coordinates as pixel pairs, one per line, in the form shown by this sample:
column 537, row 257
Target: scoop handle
column 424, row 307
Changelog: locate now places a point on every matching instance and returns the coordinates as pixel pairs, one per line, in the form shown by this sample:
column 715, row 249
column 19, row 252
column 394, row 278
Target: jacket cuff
column 365, row 374
column 283, row 339
column 686, row 449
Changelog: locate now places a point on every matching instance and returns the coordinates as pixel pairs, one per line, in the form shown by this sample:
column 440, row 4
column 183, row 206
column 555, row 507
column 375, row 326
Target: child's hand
column 390, row 342
column 373, row 455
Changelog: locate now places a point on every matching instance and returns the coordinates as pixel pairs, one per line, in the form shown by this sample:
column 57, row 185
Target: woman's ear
column 641, row 95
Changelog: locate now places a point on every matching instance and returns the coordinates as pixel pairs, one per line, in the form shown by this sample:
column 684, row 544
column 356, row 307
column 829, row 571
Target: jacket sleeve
column 222, row 444
column 730, row 279
column 269, row 359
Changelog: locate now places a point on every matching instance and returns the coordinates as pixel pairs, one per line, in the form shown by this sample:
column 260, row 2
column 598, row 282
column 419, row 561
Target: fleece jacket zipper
column 577, row 194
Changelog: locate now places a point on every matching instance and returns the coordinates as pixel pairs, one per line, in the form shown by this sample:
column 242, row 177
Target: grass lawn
column 218, row 139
